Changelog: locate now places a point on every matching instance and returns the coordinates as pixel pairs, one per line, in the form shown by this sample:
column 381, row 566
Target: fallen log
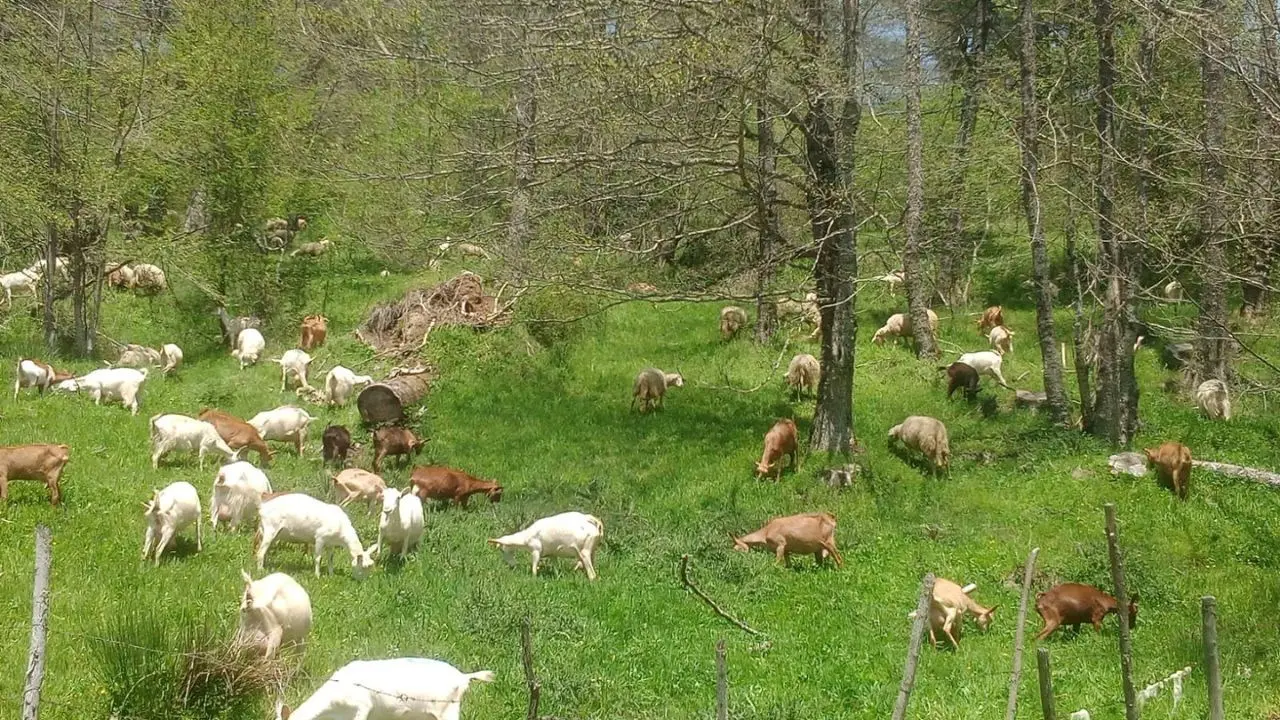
column 385, row 402
column 1265, row 477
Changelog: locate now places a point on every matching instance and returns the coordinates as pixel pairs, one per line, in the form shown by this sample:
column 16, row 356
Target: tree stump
column 385, row 402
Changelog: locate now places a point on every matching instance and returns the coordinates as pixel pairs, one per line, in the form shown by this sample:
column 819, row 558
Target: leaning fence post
column 722, row 683
column 1122, row 599
column 913, row 650
column 1046, row 683
column 39, row 624
column 1212, row 673
column 1011, row 710
column 530, row 677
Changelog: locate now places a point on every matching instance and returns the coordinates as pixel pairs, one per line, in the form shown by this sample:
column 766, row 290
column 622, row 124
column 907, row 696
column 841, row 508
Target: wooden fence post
column 39, row 624
column 1212, row 673
column 1046, row 683
column 722, row 683
column 1011, row 710
column 1122, row 599
column 913, row 650
column 530, row 678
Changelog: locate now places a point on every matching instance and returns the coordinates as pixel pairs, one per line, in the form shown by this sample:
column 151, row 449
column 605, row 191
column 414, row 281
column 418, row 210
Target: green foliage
column 555, row 316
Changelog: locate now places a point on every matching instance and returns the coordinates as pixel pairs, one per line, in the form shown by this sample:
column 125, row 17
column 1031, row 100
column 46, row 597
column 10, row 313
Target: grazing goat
column 991, row 317
column 169, row 511
column 274, row 612
column 899, row 325
column 298, row 518
column 395, row 440
column 355, row 484
column 396, row 689
column 1173, row 291
column 33, row 373
column 138, row 356
column 927, row 435
column 171, row 355
column 179, row 432
column 121, row 277
column 1074, row 604
column 249, row 347
column 803, row 374
column 802, row 534
column 986, row 363
column 732, row 320
column 148, row 278
column 315, row 328
column 335, row 443
column 571, row 534
column 121, row 384
column 17, row 281
column 1001, row 339
column 237, row 433
column 447, row 484
column 780, row 441
column 33, row 462
column 312, row 249
column 339, row 383
column 293, row 362
column 401, row 522
column 283, row 424
column 807, row 310
column 1172, row 463
column 948, row 608
column 651, row 386
column 893, row 280
column 1214, row 400
column 238, row 489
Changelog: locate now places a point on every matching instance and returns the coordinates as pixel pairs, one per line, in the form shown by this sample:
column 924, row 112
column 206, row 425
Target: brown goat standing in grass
column 802, row 534
column 779, row 442
column 315, row 329
column 991, row 317
column 33, row 462
column 1172, row 463
column 1074, row 604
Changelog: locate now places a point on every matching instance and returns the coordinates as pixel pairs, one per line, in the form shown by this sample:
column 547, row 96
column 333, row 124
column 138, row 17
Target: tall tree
column 829, row 158
column 1213, row 343
column 913, row 277
column 768, row 224
column 1260, row 244
column 1116, row 401
column 1029, row 131
column 525, row 108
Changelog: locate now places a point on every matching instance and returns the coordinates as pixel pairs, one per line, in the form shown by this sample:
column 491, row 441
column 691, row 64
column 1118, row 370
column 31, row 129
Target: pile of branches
column 403, row 326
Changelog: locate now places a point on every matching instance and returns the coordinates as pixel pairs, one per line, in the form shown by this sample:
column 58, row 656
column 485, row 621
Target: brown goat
column 1075, row 604
column 960, row 375
column 1172, row 463
column 442, row 483
column 314, row 330
column 805, row 533
column 991, row 317
column 335, row 443
column 237, row 433
column 33, row 462
column 394, row 440
column 778, row 442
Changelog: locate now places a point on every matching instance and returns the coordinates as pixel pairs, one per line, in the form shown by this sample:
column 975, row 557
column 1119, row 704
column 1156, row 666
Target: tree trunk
column 1260, row 247
column 1213, row 344
column 832, row 223
column 1075, row 279
column 520, row 230
column 768, row 226
column 50, row 322
column 913, row 278
column 1146, row 81
column 1116, row 401
column 953, row 258
column 1055, row 393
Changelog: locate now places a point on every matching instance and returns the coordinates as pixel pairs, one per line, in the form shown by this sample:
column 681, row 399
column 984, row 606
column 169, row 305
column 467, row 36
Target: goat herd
column 275, row 610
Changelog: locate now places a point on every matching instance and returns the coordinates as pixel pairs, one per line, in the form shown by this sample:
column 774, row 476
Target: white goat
column 986, row 362
column 179, row 432
column 571, row 534
column 299, row 518
column 899, row 325
column 274, row 611
column 286, row 423
column 293, row 362
column 121, row 384
column 339, row 383
column 1214, row 400
column 17, row 281
column 400, row 526
column 33, row 373
column 396, row 689
column 1001, row 339
column 169, row 511
column 237, row 489
column 138, row 356
column 803, row 373
column 148, row 278
column 172, row 356
column 249, row 347
column 1173, row 291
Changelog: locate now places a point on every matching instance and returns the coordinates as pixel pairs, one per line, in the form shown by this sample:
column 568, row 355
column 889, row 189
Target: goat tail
column 596, row 521
column 482, row 676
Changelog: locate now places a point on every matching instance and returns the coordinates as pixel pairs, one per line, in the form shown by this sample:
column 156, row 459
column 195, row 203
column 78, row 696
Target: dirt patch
column 404, row 326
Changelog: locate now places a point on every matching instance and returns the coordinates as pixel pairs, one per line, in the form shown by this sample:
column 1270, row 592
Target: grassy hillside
column 553, row 426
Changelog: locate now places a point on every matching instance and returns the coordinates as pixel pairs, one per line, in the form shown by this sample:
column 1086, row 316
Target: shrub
column 556, row 316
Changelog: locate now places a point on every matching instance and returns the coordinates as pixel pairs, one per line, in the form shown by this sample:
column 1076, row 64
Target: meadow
column 550, row 421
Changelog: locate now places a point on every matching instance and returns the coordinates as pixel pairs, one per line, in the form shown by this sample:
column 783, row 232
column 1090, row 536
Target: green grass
column 554, row 428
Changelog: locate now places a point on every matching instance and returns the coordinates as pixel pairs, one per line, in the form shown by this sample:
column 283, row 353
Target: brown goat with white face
column 803, row 534
column 1075, row 604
